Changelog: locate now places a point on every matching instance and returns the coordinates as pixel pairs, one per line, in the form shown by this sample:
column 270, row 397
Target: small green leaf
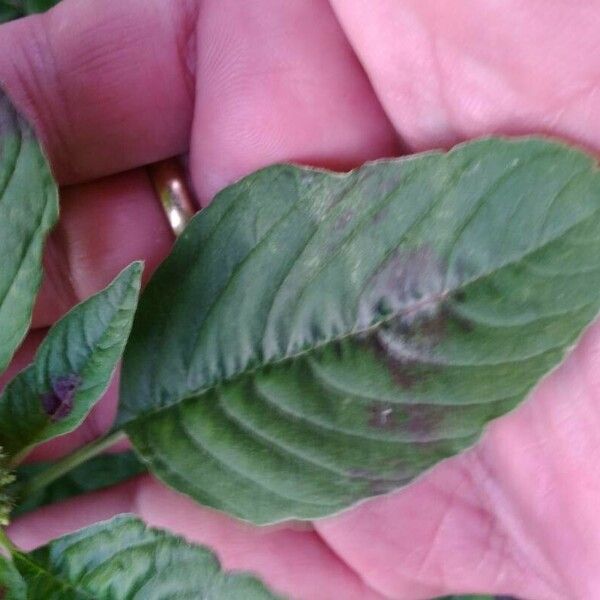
column 12, row 585
column 97, row 473
column 122, row 559
column 316, row 339
column 72, row 367
column 28, row 210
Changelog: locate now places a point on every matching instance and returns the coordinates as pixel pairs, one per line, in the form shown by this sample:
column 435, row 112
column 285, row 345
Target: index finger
column 108, row 84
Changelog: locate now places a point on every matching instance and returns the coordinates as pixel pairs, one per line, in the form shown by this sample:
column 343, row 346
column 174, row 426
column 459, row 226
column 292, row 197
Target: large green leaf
column 97, row 473
column 316, row 339
column 28, row 210
column 122, row 559
column 72, row 367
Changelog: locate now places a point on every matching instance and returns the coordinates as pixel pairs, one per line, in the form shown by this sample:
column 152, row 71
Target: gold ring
column 169, row 182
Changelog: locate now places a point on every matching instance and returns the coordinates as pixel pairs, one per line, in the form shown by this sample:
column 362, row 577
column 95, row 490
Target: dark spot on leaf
column 337, row 350
column 58, row 403
column 422, row 419
column 461, row 322
column 433, row 330
column 402, row 374
column 460, row 296
column 418, row 419
column 384, row 308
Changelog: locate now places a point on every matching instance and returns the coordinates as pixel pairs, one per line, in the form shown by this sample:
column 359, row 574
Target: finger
column 448, row 71
column 51, row 522
column 545, row 458
column 104, row 226
column 98, row 421
column 109, row 84
column 294, row 563
column 438, row 536
column 277, row 81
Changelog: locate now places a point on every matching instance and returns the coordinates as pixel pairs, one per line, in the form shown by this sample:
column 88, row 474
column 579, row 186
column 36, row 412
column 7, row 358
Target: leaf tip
column 133, row 274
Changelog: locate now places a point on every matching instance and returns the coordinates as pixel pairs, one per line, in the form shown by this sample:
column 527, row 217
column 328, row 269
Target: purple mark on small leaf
column 58, row 403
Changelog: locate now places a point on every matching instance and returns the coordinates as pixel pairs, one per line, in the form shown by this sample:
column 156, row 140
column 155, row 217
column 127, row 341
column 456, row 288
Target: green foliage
column 97, row 473
column 315, row 338
column 122, row 559
column 28, row 210
column 72, row 367
column 14, row 9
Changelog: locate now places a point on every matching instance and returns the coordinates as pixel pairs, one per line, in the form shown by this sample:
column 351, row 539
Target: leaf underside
column 72, row 367
column 316, row 339
column 122, row 559
column 28, row 210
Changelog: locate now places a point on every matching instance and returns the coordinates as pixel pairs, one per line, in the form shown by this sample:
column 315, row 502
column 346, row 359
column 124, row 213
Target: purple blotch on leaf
column 412, row 303
column 58, row 403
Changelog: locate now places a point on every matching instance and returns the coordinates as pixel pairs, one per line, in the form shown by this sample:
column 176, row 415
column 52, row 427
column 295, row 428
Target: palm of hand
column 269, row 81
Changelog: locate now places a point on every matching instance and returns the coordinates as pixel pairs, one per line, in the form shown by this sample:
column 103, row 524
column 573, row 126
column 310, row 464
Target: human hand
column 115, row 85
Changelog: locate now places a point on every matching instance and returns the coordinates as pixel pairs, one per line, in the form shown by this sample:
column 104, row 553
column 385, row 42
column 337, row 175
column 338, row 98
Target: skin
column 115, row 85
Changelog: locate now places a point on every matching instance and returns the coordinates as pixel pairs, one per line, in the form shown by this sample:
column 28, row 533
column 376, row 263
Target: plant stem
column 60, row 468
column 6, row 543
